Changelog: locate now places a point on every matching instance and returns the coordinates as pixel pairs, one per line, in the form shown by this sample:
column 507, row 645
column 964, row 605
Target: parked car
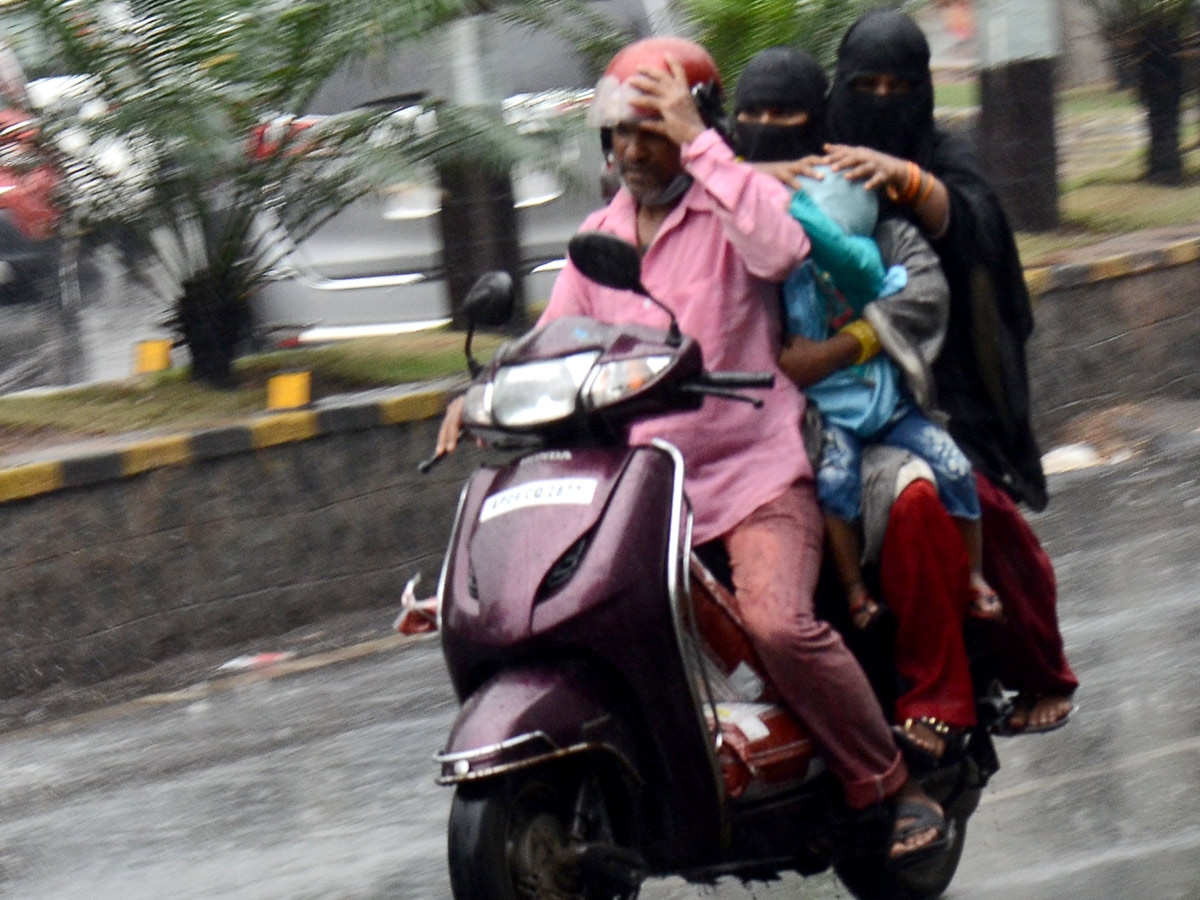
column 377, row 267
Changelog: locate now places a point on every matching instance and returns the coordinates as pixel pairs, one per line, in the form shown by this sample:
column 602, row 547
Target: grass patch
column 1114, row 208
column 132, row 405
column 1038, row 249
column 956, row 94
column 1117, row 201
column 171, row 400
column 1092, row 98
column 372, row 362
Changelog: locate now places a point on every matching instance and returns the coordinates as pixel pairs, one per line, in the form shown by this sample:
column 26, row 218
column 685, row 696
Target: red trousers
column 924, row 573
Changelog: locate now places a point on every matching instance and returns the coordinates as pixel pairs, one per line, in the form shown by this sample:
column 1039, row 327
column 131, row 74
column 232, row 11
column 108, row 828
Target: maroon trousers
column 924, row 573
column 1029, row 645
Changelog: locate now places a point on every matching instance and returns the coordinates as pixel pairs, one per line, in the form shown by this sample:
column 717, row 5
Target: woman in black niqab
column 881, row 116
column 899, row 123
column 780, row 83
column 981, row 374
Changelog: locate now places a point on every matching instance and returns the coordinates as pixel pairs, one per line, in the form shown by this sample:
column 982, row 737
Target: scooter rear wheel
column 515, row 838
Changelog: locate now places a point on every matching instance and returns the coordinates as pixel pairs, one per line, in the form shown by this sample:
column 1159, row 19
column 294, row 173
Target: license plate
column 547, row 492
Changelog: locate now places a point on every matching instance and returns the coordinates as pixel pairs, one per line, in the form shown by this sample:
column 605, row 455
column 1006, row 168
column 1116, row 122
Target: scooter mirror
column 490, row 301
column 607, row 260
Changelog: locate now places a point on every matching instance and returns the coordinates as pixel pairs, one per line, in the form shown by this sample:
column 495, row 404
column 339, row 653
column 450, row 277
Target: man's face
column 647, row 162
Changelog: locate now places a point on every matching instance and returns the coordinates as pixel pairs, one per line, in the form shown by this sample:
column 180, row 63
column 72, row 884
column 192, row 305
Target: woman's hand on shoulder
column 791, row 171
column 874, row 168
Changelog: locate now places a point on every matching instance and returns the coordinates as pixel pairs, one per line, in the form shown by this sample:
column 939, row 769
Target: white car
column 377, row 267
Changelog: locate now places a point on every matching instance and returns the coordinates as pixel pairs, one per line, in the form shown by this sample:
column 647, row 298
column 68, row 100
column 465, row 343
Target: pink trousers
column 775, row 557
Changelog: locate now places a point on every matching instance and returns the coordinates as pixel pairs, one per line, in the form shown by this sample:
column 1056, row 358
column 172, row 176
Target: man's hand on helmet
column 669, row 95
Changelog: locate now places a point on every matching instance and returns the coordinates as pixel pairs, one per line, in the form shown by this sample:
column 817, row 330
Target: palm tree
column 1150, row 37
column 735, row 31
column 196, row 148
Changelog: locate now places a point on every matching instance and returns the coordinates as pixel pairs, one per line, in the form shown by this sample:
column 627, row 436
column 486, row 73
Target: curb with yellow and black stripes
column 1046, row 279
column 141, row 455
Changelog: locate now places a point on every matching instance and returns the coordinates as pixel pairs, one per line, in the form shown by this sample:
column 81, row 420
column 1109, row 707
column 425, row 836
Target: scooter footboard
column 528, row 716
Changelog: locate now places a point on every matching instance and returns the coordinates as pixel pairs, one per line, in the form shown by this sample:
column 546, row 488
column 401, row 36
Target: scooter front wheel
column 871, row 878
column 530, row 836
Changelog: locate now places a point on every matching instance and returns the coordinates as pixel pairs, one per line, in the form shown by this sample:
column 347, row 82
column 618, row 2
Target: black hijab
column 786, row 79
column 981, row 374
column 884, row 42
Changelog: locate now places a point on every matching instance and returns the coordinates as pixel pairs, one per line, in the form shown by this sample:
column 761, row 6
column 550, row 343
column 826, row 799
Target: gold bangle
column 868, row 340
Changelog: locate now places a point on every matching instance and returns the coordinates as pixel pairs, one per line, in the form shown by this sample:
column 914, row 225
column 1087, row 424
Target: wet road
column 319, row 785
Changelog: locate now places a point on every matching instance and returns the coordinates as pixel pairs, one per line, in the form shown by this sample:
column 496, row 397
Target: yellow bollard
column 152, row 356
column 289, row 390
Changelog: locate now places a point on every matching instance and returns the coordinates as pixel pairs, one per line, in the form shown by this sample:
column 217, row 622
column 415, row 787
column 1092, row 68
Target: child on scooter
column 867, row 402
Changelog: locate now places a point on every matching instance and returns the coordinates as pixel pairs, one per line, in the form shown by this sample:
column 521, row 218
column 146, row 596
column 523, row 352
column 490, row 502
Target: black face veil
column 783, row 79
column 884, row 43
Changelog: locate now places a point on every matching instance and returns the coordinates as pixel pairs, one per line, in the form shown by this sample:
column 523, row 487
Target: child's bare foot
column 985, row 603
column 864, row 611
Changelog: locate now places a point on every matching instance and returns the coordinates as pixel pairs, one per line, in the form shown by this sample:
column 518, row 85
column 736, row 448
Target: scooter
column 615, row 723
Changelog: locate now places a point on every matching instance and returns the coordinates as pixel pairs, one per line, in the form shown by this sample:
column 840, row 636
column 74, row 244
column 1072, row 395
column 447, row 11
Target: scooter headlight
column 539, row 393
column 614, row 381
column 477, row 405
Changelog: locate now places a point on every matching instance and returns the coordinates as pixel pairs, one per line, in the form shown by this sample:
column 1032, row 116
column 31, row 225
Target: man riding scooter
column 716, row 239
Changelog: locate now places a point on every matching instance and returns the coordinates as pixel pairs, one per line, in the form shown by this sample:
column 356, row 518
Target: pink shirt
column 716, row 262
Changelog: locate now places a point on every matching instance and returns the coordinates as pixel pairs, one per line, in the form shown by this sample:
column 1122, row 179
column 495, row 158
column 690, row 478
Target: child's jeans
column 839, row 478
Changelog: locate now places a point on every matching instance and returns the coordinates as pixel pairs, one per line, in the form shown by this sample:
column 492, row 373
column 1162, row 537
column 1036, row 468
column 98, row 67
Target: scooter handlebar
column 737, row 379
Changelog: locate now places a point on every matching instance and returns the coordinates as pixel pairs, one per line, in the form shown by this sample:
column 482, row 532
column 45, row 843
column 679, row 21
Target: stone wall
column 232, row 536
column 1119, row 328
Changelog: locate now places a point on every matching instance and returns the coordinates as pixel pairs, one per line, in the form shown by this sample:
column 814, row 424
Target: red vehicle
column 27, row 185
column 27, row 181
column 27, row 213
column 38, row 340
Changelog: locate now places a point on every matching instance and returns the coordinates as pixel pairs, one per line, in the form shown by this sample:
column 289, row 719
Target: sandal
column 865, row 611
column 1022, row 708
column 918, row 817
column 916, row 754
column 985, row 606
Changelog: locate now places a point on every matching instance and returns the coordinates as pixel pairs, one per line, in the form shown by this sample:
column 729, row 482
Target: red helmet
column 615, row 101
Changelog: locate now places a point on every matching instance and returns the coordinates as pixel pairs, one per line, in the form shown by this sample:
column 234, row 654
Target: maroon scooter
column 615, row 724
